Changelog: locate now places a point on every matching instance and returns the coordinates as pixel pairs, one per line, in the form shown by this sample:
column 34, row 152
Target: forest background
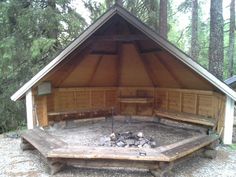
column 33, row 32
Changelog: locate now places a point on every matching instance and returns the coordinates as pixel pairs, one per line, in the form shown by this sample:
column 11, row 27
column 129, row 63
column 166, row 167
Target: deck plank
column 116, row 153
column 52, row 147
column 166, row 153
column 189, row 147
column 42, row 141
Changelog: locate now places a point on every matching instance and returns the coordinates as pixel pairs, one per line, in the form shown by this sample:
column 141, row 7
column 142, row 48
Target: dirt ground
column 14, row 162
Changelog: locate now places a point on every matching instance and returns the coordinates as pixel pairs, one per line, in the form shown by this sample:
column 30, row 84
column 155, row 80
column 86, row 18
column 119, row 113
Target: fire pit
column 128, row 139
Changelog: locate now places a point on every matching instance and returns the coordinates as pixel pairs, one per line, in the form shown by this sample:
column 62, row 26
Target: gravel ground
column 14, row 162
column 92, row 133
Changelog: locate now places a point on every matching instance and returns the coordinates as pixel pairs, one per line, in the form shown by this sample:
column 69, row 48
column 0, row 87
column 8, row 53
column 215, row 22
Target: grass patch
column 233, row 147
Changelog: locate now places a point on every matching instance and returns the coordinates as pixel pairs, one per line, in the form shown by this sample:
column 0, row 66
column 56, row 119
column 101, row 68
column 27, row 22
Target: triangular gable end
column 117, row 10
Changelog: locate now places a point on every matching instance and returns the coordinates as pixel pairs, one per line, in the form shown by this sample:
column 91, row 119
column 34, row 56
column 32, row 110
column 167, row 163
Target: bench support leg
column 55, row 166
column 25, row 145
column 210, row 153
column 164, row 170
column 213, row 145
column 157, row 119
column 210, row 150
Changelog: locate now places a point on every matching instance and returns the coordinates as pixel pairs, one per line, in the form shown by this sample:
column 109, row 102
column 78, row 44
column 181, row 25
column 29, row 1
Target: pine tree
column 194, row 30
column 231, row 39
column 216, row 51
column 163, row 18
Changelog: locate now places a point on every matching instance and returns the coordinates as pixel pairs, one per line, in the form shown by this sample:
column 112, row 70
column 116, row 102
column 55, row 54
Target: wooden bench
column 186, row 117
column 81, row 113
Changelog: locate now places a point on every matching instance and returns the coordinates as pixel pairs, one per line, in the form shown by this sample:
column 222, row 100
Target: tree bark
column 53, row 32
column 231, row 39
column 163, row 18
column 194, row 31
column 120, row 2
column 216, row 52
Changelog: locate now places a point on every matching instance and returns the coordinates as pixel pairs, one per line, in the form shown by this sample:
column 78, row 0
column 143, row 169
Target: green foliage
column 41, row 46
column 31, row 33
column 232, row 147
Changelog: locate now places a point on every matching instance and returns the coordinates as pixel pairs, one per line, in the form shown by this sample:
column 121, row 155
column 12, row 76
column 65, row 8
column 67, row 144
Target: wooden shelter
column 231, row 82
column 121, row 66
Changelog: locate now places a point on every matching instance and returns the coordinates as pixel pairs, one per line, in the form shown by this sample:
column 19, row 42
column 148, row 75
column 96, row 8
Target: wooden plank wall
column 41, row 110
column 205, row 103
column 71, row 99
column 187, row 101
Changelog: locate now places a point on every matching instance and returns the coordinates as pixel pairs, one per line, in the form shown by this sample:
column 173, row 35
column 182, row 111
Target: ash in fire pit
column 128, row 139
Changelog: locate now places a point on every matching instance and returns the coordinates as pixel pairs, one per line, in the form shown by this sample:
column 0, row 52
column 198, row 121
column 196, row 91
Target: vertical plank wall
column 205, row 103
column 71, row 99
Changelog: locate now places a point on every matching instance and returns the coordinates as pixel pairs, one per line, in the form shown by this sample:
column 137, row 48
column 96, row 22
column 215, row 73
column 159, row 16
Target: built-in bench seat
column 81, row 113
column 186, row 117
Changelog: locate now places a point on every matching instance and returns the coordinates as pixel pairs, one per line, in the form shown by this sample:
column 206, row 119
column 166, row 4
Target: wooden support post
column 167, row 100
column 210, row 153
column 29, row 109
column 196, row 104
column 228, row 123
column 55, row 166
column 180, row 101
column 25, row 145
column 164, row 169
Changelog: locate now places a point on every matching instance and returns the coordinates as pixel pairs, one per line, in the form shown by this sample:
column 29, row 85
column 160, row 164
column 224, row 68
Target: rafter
column 146, row 65
column 70, row 57
column 102, row 53
column 163, row 63
column 119, row 63
column 70, row 67
column 147, row 51
column 121, row 37
column 95, row 70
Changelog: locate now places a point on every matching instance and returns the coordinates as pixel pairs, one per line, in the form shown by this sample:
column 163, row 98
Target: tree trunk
column 120, row 2
column 231, row 39
column 216, row 52
column 53, row 32
column 163, row 18
column 194, row 39
column 152, row 7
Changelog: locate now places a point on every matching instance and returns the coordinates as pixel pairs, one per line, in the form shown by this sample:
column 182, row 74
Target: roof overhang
column 142, row 27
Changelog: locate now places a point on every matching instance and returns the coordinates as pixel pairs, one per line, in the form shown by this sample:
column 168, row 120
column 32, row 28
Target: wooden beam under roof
column 146, row 65
column 147, row 51
column 163, row 63
column 95, row 70
column 103, row 53
column 119, row 62
column 121, row 38
column 70, row 68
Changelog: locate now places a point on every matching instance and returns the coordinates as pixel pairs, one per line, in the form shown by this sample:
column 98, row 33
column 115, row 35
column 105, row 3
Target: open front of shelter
column 118, row 68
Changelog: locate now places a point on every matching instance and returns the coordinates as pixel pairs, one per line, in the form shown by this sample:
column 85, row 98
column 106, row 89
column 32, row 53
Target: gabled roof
column 118, row 10
column 231, row 81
